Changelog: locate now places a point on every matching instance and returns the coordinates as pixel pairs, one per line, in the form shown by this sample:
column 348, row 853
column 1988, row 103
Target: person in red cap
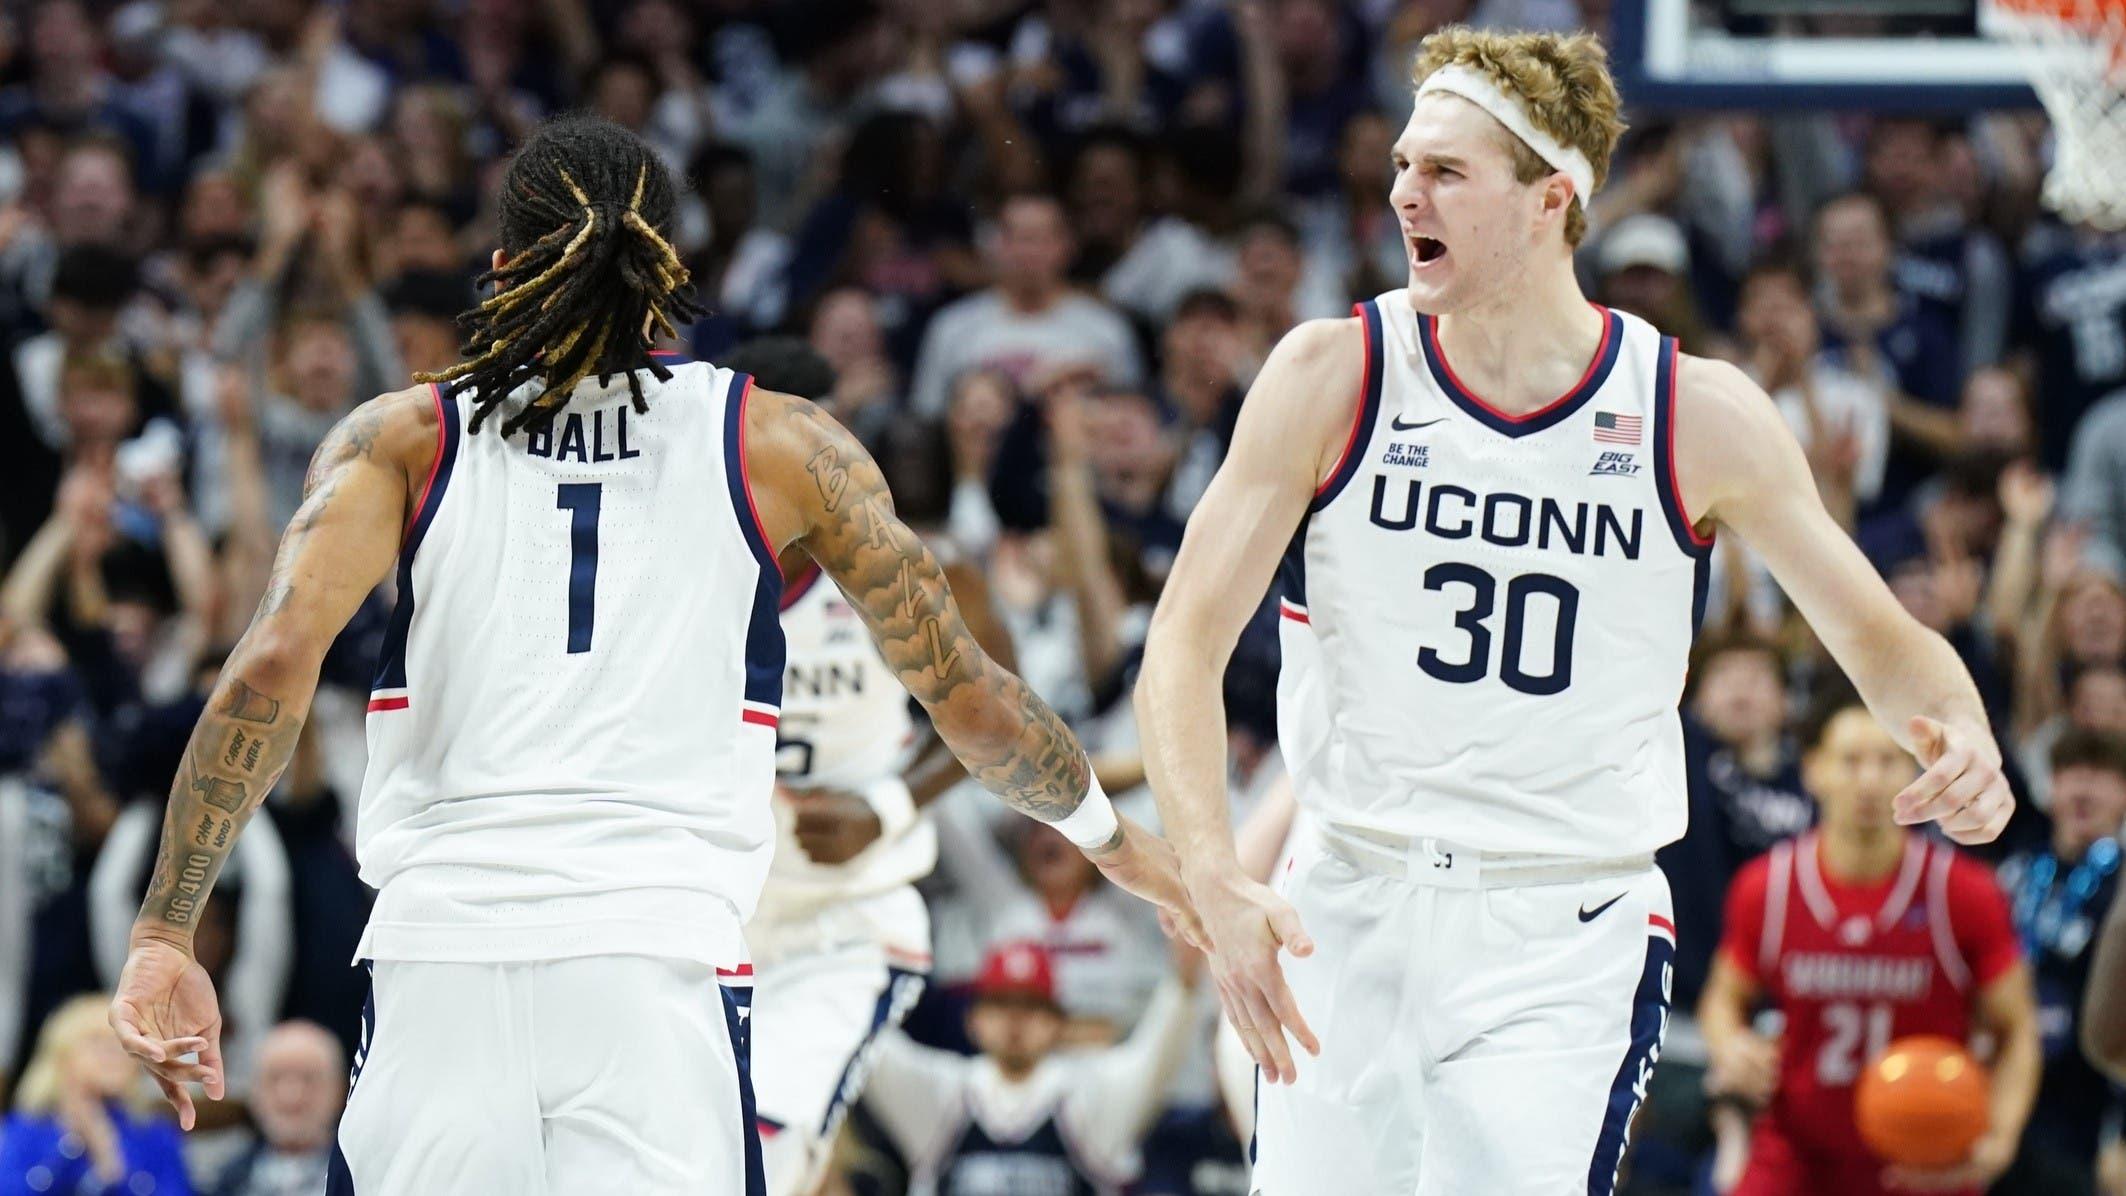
column 1023, row 1116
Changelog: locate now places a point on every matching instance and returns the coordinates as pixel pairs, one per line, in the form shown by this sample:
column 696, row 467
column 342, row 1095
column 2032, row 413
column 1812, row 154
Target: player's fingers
column 1291, row 934
column 1236, row 1013
column 1988, row 814
column 1286, row 1007
column 137, row 1044
column 1266, row 1024
column 1916, row 801
column 1959, row 799
column 210, row 1058
column 180, row 1100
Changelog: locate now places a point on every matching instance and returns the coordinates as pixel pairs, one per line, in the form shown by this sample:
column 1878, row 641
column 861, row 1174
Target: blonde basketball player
column 1498, row 501
column 572, row 729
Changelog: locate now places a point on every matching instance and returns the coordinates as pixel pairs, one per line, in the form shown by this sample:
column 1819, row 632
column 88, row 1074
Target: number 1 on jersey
column 580, row 500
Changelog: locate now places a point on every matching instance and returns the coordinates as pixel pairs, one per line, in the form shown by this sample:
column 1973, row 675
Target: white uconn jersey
column 845, row 725
column 1487, row 618
column 572, row 730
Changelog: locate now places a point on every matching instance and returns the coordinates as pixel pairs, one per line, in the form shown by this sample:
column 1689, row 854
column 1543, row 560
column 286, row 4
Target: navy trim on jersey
column 339, row 1178
column 1561, row 408
column 1649, row 1020
column 764, row 642
column 1368, row 410
column 737, row 1018
column 391, row 662
column 1687, row 537
column 1292, row 569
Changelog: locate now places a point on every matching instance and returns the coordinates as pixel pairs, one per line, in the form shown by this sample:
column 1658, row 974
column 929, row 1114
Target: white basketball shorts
column 817, row 1015
column 1474, row 1038
column 605, row 1073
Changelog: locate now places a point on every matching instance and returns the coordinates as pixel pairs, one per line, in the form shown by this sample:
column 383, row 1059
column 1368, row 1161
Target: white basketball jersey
column 1487, row 618
column 572, row 730
column 845, row 725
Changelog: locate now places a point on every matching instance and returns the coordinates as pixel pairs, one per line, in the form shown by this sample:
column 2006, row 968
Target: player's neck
column 1522, row 348
column 1858, row 856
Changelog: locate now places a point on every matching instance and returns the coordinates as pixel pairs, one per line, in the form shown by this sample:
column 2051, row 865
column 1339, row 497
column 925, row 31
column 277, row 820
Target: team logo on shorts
column 1614, row 463
column 1413, row 456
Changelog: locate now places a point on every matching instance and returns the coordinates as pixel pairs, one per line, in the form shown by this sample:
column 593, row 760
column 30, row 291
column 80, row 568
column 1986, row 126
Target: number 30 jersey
column 1487, row 618
column 572, row 727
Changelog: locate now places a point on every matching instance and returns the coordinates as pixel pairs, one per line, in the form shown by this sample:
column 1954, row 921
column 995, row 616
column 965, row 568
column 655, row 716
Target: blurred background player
column 1858, row 934
column 1496, row 543
column 841, row 939
column 1024, row 1116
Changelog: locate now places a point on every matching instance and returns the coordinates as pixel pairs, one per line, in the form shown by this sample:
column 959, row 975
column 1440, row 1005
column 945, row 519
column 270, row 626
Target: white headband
column 1477, row 87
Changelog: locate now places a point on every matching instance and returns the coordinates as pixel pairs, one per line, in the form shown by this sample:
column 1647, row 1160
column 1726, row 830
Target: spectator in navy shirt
column 1877, row 329
column 1745, row 789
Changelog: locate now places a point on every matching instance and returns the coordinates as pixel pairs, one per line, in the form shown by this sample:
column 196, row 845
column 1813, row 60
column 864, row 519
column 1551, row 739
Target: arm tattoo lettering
column 237, row 752
column 1009, row 739
column 830, row 475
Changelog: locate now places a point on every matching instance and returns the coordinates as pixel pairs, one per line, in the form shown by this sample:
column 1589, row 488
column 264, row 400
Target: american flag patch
column 1611, row 428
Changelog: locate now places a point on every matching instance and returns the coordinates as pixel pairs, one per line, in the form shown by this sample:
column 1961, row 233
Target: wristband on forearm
column 1093, row 823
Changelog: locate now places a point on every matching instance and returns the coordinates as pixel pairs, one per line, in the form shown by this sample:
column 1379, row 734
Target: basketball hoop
column 2076, row 54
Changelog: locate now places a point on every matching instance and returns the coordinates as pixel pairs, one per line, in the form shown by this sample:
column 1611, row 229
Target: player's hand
column 1744, row 1065
column 1248, row 923
column 1990, row 1156
column 1144, row 864
column 165, row 1008
column 832, row 826
column 1962, row 788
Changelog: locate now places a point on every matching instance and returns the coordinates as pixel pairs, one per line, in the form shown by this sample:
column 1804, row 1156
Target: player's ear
column 498, row 259
column 1557, row 196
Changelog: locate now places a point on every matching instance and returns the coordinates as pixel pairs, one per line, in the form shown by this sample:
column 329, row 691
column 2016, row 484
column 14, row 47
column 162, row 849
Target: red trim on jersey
column 1660, row 923
column 1669, row 451
column 1430, row 331
column 1358, row 409
column 1291, row 612
column 435, row 392
column 761, row 717
column 745, row 471
column 797, row 588
column 398, row 703
column 744, row 970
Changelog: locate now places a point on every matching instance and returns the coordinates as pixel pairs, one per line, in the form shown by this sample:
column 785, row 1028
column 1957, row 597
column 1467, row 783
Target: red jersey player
column 1861, row 932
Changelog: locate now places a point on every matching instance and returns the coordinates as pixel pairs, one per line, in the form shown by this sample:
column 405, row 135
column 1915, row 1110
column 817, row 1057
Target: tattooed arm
column 816, row 486
column 336, row 549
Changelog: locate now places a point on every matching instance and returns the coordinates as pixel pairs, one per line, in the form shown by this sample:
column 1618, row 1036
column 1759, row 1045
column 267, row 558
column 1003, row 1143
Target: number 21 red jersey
column 1854, row 967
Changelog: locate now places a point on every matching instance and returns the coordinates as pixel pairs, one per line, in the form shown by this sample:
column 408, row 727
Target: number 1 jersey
column 572, row 727
column 1486, row 617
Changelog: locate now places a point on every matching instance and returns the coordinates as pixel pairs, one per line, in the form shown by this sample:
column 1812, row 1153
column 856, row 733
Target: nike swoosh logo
column 1397, row 423
column 1589, row 915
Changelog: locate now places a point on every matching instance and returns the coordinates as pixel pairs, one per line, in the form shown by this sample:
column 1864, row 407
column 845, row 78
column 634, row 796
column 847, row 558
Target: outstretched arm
column 335, row 550
column 815, row 485
column 1294, row 422
column 1737, row 464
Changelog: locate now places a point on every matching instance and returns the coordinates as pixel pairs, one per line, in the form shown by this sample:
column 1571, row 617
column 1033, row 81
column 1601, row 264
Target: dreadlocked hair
column 587, row 278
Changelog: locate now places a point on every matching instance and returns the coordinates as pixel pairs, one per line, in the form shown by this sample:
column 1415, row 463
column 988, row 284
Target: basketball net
column 2076, row 54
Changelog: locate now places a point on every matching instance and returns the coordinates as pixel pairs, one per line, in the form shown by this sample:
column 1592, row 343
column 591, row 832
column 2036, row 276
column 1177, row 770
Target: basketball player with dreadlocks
column 1494, row 502
column 585, row 538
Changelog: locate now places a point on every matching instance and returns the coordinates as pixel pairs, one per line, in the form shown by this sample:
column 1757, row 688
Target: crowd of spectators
column 1042, row 247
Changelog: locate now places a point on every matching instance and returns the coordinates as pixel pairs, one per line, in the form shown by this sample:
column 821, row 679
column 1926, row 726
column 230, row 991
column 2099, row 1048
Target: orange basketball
column 1922, row 1102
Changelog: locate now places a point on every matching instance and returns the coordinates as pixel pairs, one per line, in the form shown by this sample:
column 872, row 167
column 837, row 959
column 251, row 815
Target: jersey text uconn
column 1507, row 519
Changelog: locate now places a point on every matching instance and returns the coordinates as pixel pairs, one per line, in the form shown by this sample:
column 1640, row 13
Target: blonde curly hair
column 1564, row 83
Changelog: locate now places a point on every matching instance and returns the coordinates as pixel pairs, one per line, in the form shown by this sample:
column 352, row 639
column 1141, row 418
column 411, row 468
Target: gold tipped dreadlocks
column 547, row 319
